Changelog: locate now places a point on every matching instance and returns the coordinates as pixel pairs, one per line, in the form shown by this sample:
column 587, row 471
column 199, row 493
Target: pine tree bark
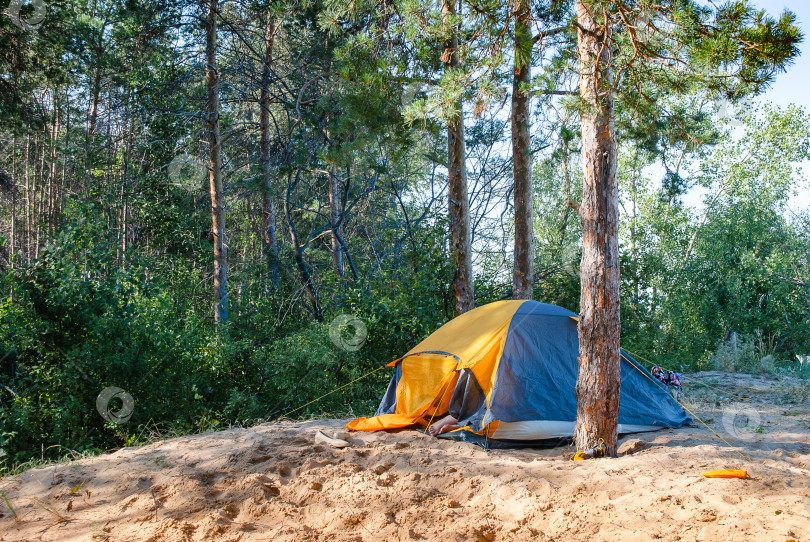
column 523, row 278
column 459, row 210
column 215, row 167
column 598, row 381
column 268, row 200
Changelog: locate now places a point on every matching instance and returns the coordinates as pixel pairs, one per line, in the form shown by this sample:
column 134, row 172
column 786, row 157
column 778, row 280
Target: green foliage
column 80, row 322
column 737, row 265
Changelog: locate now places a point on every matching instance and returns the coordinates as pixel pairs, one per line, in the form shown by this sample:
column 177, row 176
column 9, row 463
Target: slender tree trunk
column 122, row 220
column 268, row 200
column 701, row 223
column 336, row 218
column 28, row 202
column 523, row 278
column 566, row 213
column 598, row 381
column 62, row 184
column 41, row 186
column 94, row 100
column 335, row 212
column 215, row 167
column 13, row 200
column 92, row 117
column 52, row 172
column 127, row 138
column 459, row 210
column 303, row 269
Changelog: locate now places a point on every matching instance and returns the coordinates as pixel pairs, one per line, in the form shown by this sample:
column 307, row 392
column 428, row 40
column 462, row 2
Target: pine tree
column 216, row 189
column 458, row 202
column 735, row 50
column 523, row 276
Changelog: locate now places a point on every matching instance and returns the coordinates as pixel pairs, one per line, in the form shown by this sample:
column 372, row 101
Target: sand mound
column 274, row 482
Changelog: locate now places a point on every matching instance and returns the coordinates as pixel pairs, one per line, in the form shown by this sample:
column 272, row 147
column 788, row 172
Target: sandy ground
column 273, row 482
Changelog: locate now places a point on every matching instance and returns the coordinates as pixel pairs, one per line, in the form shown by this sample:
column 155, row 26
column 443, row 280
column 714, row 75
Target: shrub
column 753, row 353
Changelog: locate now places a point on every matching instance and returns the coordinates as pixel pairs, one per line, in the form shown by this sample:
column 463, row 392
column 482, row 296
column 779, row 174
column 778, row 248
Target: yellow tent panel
column 472, row 341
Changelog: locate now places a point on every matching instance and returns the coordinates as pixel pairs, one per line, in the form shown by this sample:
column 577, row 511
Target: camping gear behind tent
column 507, row 371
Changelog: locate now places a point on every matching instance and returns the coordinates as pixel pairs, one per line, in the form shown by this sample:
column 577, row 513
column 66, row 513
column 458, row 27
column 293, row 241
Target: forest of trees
column 191, row 192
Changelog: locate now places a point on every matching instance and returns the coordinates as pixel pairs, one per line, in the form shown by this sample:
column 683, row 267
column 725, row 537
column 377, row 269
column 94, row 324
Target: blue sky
column 793, row 86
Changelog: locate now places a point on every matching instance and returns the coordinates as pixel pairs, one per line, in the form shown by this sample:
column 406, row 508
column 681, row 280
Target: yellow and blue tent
column 507, row 371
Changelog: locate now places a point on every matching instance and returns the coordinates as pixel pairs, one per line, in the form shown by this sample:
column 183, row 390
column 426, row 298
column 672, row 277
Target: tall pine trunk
column 268, row 200
column 598, row 381
column 523, row 278
column 215, row 167
column 459, row 210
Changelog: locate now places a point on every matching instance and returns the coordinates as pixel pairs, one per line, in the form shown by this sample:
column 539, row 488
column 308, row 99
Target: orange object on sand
column 727, row 473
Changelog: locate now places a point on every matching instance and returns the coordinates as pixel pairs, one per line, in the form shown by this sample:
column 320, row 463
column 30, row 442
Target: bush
column 753, row 353
column 81, row 322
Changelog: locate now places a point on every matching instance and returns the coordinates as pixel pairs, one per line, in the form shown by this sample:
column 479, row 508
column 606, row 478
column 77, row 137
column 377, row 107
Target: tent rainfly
column 507, row 371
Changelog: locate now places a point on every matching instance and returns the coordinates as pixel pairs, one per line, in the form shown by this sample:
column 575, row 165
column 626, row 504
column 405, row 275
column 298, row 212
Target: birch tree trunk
column 215, row 167
column 459, row 211
column 268, row 200
column 523, row 278
column 598, row 381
